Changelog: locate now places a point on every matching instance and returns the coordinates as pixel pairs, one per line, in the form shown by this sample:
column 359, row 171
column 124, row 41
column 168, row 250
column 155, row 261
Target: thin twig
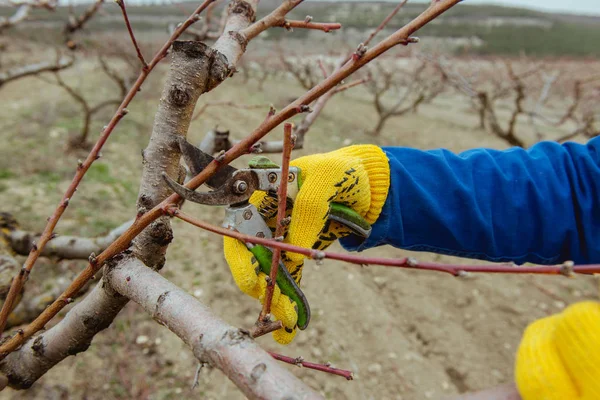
column 299, row 361
column 244, row 146
column 320, row 26
column 75, row 24
column 323, row 69
column 566, row 269
column 19, row 281
column 384, row 22
column 352, row 84
column 261, row 328
column 121, row 4
column 279, row 228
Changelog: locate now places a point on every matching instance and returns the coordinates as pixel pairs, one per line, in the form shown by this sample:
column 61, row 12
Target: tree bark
column 212, row 341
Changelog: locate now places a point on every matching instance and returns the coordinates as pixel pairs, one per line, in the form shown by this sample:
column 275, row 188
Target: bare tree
column 492, row 86
column 399, row 90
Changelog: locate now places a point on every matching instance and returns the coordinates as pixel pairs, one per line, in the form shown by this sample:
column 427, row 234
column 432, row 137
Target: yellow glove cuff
column 559, row 356
column 377, row 166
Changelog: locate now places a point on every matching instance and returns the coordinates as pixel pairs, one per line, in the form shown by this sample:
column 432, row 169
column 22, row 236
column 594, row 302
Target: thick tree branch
column 72, row 335
column 65, row 247
column 212, row 341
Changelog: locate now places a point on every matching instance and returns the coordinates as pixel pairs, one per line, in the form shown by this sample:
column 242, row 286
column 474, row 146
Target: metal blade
column 237, row 189
column 197, row 160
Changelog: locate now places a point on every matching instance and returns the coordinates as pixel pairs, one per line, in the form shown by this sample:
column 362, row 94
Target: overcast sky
column 573, row 6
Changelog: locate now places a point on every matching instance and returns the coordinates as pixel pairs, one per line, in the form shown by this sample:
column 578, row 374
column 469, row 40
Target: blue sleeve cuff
column 380, row 229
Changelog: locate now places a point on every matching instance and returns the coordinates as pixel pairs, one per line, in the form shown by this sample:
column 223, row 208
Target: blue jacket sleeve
column 540, row 205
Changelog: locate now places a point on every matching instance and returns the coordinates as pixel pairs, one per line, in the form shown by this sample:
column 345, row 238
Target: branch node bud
column 92, row 259
column 308, row 18
column 567, row 269
column 220, row 156
column 124, row 112
column 79, row 164
column 256, row 148
column 412, row 262
column 463, row 274
column 409, row 40
column 66, row 201
column 304, row 108
column 360, row 51
column 286, row 221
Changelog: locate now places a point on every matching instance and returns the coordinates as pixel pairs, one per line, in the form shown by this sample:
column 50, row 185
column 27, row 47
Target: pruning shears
column 233, row 187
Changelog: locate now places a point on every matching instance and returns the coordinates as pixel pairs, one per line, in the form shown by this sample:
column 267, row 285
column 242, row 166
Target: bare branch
column 121, row 4
column 212, row 341
column 22, row 13
column 352, row 84
column 34, row 69
column 72, row 335
column 566, row 269
column 275, row 18
column 299, row 361
column 384, row 22
column 320, row 26
column 65, row 247
column 279, row 227
column 77, row 23
column 19, row 16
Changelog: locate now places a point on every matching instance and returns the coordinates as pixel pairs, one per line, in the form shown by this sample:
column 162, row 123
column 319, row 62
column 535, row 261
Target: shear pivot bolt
column 240, row 187
column 260, row 235
column 272, row 177
column 247, row 214
column 291, row 177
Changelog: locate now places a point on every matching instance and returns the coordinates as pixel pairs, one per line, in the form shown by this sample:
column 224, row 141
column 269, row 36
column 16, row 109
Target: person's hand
column 356, row 176
column 559, row 356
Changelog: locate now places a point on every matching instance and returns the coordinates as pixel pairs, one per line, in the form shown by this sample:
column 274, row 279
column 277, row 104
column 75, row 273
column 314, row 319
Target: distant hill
column 480, row 29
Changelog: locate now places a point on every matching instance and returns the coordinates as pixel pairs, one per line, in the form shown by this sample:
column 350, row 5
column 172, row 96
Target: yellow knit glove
column 356, row 176
column 559, row 356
